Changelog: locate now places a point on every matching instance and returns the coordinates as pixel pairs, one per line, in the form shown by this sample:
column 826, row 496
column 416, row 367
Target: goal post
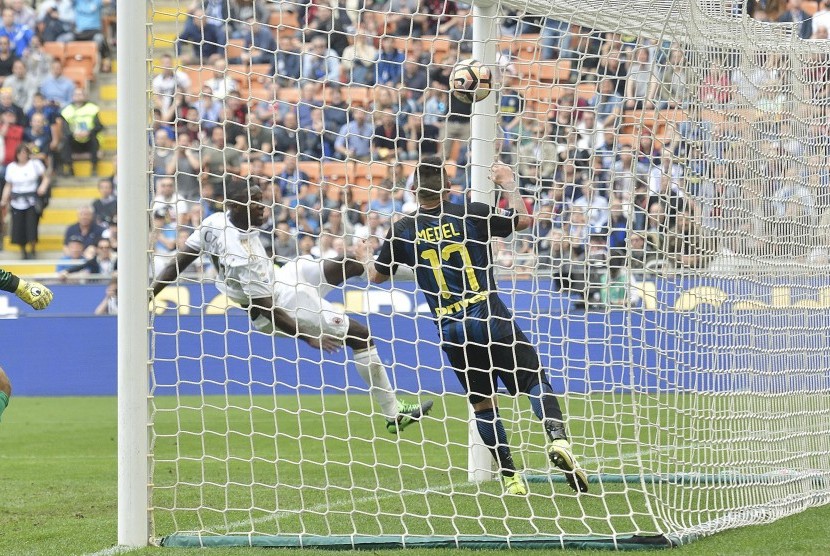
column 674, row 281
column 134, row 483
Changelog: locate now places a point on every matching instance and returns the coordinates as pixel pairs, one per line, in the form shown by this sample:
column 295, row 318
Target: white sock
column 371, row 368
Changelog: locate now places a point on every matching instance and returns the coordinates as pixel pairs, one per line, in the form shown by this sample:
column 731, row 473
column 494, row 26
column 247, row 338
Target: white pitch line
column 113, row 550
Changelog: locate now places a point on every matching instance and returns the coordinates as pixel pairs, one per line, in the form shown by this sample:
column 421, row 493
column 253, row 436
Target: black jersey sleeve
column 397, row 249
column 493, row 222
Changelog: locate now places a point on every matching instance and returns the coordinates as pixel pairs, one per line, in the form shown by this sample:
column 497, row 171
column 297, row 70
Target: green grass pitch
column 58, row 479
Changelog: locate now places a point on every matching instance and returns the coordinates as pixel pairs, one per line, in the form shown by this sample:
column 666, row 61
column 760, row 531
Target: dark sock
column 546, row 408
column 491, row 430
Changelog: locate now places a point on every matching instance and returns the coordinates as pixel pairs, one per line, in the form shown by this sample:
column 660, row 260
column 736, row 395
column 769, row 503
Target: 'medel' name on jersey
column 449, row 248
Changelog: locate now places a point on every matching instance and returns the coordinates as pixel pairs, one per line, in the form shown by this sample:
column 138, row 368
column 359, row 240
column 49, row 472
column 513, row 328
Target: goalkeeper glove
column 36, row 295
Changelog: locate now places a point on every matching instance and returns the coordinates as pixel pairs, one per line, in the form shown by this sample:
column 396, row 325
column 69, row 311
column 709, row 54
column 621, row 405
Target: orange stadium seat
column 83, row 54
column 284, row 18
column 56, row 50
column 234, row 48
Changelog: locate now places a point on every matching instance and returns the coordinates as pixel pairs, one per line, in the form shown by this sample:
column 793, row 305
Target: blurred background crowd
column 634, row 156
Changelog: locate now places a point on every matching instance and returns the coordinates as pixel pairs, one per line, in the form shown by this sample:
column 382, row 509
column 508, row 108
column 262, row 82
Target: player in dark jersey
column 448, row 245
column 36, row 295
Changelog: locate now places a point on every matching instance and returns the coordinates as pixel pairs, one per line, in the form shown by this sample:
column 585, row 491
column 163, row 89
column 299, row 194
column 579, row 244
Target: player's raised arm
column 503, row 176
column 169, row 273
column 378, row 271
column 35, row 294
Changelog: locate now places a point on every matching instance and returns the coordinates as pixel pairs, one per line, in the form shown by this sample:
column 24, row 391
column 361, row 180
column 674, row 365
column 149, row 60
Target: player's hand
column 330, row 344
column 35, row 294
column 362, row 251
column 502, row 175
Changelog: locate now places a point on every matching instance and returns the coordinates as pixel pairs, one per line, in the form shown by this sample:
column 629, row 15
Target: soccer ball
column 470, row 81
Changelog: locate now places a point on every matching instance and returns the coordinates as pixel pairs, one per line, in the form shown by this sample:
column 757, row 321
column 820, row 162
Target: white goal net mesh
column 674, row 155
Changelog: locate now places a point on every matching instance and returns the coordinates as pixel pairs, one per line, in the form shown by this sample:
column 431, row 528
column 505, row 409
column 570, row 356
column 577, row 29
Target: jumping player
column 288, row 299
column 448, row 246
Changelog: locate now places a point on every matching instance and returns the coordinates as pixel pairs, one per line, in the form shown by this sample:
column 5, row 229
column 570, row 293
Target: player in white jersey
column 288, row 299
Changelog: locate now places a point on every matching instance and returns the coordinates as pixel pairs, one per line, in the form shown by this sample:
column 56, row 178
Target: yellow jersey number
column 431, row 255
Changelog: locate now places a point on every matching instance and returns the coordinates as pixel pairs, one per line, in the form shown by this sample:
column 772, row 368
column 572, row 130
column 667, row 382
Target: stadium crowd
column 48, row 55
column 622, row 173
column 317, row 103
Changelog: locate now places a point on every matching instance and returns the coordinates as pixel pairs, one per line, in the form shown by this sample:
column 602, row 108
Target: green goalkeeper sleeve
column 8, row 281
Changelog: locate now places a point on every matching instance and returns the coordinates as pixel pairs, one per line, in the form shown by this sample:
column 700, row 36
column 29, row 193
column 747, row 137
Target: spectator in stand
column 185, row 165
column 207, row 42
column 511, row 105
column 221, row 83
column 387, row 140
column 354, row 142
column 163, row 238
column 82, row 125
column 594, row 206
column 286, row 135
column 220, row 159
column 287, row 63
column 38, row 62
column 10, row 132
column 384, row 204
column 419, row 139
column 389, row 67
column 109, row 305
column 7, row 105
column 320, row 63
column 259, row 44
column 292, row 182
column 170, row 82
column 23, row 13
column 436, row 105
column 38, row 137
column 801, row 19
column 88, row 27
column 85, row 229
column 53, row 26
column 23, row 87
column 56, row 88
column 27, row 185
column 333, row 25
column 335, row 111
column 102, row 263
column 606, row 103
column 105, row 207
column 73, row 253
column 358, row 62
column 162, row 152
column 168, row 200
column 19, row 35
column 208, row 109
column 308, row 100
column 7, row 58
column 821, row 18
column 415, row 78
column 316, row 143
column 639, row 80
column 284, row 243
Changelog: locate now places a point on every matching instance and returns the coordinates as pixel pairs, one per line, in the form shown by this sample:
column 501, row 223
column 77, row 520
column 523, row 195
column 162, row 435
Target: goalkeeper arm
column 35, row 294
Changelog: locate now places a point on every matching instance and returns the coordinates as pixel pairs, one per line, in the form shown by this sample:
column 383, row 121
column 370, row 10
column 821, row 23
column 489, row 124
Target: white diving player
column 287, row 299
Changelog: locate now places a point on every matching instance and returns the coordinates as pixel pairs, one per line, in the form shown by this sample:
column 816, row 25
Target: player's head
column 244, row 203
column 431, row 183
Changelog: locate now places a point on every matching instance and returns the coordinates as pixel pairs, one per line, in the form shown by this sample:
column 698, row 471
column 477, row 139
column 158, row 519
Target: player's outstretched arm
column 35, row 294
column 363, row 254
column 503, row 176
column 169, row 273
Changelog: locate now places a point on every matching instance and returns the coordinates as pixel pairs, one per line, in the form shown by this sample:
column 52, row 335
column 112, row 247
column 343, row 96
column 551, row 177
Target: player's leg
column 472, row 367
column 5, row 391
column 398, row 414
column 529, row 378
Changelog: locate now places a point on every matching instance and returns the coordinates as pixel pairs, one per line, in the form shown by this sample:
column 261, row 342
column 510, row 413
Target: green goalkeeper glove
column 35, row 294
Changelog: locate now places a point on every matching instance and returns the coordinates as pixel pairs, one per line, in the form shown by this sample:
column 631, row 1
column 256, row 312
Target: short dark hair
column 430, row 177
column 236, row 189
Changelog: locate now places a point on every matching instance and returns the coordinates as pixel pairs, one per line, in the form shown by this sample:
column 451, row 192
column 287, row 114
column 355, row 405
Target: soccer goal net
column 674, row 155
